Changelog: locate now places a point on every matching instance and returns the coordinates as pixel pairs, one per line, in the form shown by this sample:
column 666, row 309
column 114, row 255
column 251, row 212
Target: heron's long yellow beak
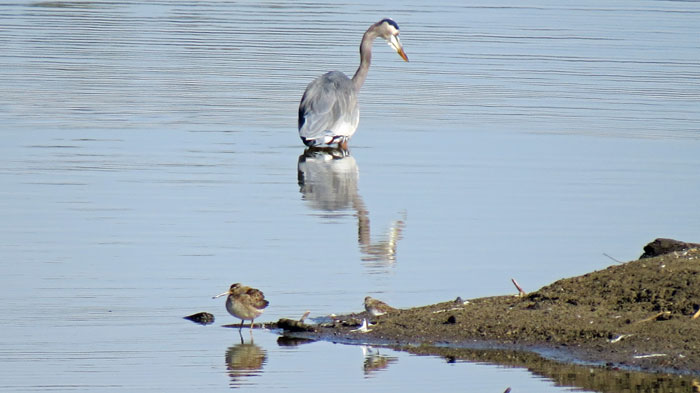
column 402, row 54
column 395, row 43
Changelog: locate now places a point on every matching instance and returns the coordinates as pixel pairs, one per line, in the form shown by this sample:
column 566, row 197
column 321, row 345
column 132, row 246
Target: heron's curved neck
column 365, row 58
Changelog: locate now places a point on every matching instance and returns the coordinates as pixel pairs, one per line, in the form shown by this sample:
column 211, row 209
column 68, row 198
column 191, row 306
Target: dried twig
column 303, row 317
column 651, row 355
column 696, row 315
column 616, row 260
column 521, row 293
column 449, row 309
column 620, row 337
column 655, row 316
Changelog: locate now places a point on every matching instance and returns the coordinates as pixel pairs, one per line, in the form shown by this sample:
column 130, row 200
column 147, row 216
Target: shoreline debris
column 521, row 292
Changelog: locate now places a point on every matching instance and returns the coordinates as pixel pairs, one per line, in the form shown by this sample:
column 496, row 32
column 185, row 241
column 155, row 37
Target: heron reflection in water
column 244, row 360
column 328, row 180
column 328, row 111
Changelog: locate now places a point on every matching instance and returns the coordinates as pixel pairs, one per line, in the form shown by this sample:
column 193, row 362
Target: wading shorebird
column 328, row 111
column 377, row 307
column 244, row 303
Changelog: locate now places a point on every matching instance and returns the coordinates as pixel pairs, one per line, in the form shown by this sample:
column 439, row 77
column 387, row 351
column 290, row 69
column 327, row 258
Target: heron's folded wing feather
column 329, row 104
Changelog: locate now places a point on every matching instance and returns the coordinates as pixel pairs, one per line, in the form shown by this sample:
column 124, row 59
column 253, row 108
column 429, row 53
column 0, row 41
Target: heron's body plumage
column 328, row 112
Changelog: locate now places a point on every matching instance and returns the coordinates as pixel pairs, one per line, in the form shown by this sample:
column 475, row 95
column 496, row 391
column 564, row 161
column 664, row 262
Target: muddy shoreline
column 630, row 316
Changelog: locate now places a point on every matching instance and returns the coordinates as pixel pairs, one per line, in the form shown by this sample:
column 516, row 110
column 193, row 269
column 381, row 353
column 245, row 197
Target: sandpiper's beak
column 395, row 43
column 220, row 295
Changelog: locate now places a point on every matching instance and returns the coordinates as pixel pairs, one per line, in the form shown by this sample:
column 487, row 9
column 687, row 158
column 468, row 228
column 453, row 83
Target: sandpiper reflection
column 374, row 361
column 243, row 361
column 328, row 180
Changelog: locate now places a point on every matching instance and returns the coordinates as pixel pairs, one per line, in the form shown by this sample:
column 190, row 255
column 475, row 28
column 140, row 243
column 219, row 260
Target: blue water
column 150, row 159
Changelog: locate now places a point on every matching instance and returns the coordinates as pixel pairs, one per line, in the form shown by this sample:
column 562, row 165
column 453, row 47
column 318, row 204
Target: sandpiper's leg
column 251, row 324
column 240, row 326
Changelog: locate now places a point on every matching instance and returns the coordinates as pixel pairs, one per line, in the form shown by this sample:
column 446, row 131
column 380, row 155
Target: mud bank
column 633, row 316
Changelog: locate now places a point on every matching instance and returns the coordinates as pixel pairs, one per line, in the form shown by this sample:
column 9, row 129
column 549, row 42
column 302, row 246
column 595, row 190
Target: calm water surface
column 150, row 159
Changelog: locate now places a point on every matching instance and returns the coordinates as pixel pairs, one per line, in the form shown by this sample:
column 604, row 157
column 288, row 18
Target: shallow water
column 150, row 159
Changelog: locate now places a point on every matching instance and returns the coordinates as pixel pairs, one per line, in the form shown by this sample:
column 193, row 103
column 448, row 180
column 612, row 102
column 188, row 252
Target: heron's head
column 389, row 30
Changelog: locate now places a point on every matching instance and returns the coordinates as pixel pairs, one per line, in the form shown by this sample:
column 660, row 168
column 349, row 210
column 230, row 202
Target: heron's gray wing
column 329, row 104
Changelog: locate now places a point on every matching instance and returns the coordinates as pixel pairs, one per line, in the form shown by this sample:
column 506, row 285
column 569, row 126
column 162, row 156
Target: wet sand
column 631, row 316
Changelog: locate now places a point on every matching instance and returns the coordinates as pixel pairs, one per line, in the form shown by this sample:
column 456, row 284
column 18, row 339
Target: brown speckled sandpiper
column 244, row 302
column 377, row 307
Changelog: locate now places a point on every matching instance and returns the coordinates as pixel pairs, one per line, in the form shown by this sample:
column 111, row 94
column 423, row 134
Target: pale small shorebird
column 377, row 307
column 244, row 303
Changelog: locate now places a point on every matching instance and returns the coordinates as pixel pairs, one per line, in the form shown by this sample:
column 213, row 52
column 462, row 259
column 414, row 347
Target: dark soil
column 636, row 315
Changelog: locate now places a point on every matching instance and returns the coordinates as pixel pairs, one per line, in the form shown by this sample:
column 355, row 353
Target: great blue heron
column 329, row 112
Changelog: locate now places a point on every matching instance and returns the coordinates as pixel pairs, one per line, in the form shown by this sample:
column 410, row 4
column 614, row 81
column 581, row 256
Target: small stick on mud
column 655, row 316
column 651, row 355
column 696, row 315
column 616, row 260
column 521, row 293
column 620, row 337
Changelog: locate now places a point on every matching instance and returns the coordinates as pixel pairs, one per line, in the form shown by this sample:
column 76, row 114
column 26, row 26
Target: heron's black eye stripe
column 391, row 22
